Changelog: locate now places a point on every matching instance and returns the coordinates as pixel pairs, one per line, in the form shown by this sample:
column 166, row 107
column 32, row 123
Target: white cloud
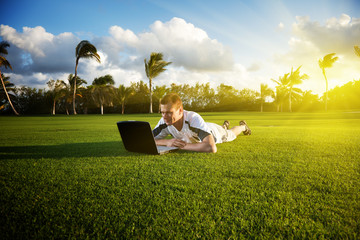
column 30, row 40
column 312, row 40
column 237, row 77
column 35, row 51
column 35, row 80
column 125, row 36
column 120, row 75
column 254, row 67
column 337, row 35
column 181, row 42
column 281, row 26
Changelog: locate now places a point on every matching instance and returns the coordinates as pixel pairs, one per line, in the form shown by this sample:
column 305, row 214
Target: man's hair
column 172, row 98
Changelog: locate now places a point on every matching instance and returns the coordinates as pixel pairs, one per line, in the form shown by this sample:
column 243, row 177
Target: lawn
column 297, row 176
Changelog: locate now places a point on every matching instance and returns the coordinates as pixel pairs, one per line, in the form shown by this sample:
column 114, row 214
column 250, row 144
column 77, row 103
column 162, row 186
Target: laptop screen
column 137, row 136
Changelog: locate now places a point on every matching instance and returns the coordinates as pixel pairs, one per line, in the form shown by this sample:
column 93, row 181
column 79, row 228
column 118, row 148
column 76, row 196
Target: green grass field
column 296, row 177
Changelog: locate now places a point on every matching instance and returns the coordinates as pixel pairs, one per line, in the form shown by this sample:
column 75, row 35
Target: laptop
column 137, row 136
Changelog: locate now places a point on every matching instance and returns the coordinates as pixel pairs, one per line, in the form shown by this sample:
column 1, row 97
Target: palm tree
column 9, row 87
column 123, row 93
column 79, row 82
column 83, row 50
column 57, row 91
column 327, row 62
column 294, row 79
column 153, row 68
column 4, row 62
column 102, row 91
column 265, row 91
column 67, row 98
column 357, row 50
column 282, row 91
column 73, row 82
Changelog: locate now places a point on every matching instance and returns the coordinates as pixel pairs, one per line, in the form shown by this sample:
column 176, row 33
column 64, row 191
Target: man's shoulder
column 161, row 126
column 189, row 115
column 193, row 119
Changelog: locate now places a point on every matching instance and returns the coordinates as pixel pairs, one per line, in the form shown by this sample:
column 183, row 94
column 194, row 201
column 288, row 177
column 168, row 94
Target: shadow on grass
column 92, row 149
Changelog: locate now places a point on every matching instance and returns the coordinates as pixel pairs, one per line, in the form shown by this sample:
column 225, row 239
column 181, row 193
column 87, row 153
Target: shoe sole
column 247, row 129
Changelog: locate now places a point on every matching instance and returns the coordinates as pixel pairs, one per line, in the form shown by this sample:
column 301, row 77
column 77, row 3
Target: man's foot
column 247, row 129
column 226, row 125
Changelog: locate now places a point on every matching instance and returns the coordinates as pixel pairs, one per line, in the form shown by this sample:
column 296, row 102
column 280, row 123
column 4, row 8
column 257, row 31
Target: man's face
column 170, row 113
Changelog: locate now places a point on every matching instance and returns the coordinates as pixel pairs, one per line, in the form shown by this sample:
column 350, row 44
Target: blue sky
column 239, row 43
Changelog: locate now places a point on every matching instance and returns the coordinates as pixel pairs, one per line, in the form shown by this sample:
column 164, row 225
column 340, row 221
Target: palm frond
column 4, row 62
column 86, row 50
column 296, row 78
column 155, row 65
column 328, row 61
column 3, row 46
column 357, row 50
column 275, row 81
column 265, row 91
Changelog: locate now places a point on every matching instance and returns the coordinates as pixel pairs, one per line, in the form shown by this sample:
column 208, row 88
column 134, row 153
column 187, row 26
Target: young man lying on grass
column 189, row 130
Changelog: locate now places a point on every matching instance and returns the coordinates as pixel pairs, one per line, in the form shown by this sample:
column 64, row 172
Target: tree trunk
column 290, row 100
column 53, row 110
column 102, row 109
column 123, row 107
column 326, row 93
column 7, row 95
column 151, row 110
column 74, row 95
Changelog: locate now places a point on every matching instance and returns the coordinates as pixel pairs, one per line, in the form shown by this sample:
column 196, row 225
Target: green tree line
column 102, row 96
column 71, row 96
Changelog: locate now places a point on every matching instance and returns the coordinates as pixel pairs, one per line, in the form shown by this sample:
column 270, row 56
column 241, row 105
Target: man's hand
column 171, row 143
column 176, row 143
column 207, row 145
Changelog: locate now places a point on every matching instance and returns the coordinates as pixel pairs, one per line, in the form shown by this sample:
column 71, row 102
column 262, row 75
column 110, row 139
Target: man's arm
column 173, row 142
column 207, row 145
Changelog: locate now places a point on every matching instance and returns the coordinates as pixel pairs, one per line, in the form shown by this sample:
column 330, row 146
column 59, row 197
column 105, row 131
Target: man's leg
column 227, row 135
column 242, row 128
column 238, row 129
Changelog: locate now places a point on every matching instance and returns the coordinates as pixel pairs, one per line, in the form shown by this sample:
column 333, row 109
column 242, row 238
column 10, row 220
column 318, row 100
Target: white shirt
column 194, row 129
